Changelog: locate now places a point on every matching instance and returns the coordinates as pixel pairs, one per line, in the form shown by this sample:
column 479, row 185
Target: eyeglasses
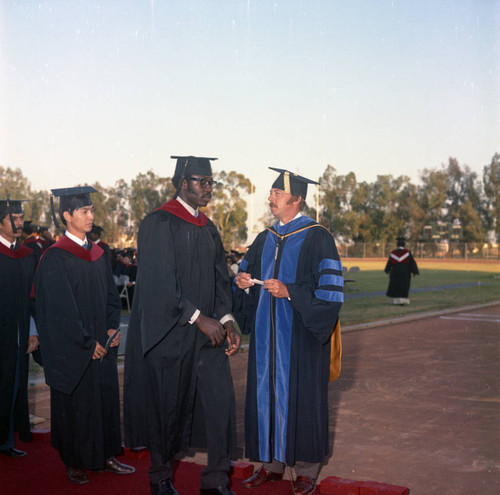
column 204, row 183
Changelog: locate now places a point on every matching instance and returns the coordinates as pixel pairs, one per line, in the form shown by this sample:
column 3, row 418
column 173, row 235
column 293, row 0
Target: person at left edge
column 77, row 311
column 17, row 336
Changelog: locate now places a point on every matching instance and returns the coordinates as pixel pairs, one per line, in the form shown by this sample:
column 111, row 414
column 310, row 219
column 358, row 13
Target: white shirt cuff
column 226, row 318
column 195, row 316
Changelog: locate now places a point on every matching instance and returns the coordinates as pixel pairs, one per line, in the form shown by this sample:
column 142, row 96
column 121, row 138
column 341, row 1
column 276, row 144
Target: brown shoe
column 77, row 475
column 113, row 466
column 304, row 485
column 260, row 477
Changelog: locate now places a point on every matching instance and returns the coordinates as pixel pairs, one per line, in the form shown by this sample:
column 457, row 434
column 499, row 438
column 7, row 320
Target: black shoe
column 223, row 490
column 113, row 466
column 77, row 475
column 163, row 487
column 261, row 476
column 13, row 452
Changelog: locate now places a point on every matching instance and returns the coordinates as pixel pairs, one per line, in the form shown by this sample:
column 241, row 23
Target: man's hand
column 99, row 351
column 276, row 288
column 33, row 344
column 212, row 328
column 233, row 338
column 243, row 280
column 116, row 340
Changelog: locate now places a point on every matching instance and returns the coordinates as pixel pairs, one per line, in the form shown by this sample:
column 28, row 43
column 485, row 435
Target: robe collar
column 175, row 208
column 298, row 223
column 20, row 252
column 72, row 247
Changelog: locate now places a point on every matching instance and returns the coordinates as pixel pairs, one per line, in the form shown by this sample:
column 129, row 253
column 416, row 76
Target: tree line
column 394, row 206
column 354, row 211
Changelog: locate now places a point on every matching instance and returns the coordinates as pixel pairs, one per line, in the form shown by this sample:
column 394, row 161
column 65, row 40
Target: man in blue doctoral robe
column 291, row 317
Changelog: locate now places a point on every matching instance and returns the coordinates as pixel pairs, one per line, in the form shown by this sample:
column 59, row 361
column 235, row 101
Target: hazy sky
column 101, row 90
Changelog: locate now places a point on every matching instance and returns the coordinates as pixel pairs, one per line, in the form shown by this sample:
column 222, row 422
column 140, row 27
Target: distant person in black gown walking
column 400, row 266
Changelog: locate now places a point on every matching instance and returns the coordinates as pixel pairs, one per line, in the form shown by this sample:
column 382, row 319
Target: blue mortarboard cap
column 291, row 183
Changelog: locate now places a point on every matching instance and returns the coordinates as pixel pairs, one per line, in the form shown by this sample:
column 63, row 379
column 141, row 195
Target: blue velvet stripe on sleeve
column 329, row 264
column 331, row 282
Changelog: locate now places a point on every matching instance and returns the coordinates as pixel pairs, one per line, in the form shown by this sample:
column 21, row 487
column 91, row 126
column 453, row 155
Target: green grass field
column 484, row 275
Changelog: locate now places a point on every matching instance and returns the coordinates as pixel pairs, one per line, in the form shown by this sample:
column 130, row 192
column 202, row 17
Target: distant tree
column 388, row 210
column 13, row 184
column 360, row 214
column 413, row 212
column 41, row 213
column 432, row 195
column 464, row 201
column 107, row 214
column 491, row 184
column 147, row 192
column 336, row 203
column 228, row 208
column 380, row 209
column 123, row 232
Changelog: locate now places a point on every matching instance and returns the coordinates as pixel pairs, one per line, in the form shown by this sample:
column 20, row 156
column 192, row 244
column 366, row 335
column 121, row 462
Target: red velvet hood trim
column 21, row 252
column 72, row 247
column 175, row 208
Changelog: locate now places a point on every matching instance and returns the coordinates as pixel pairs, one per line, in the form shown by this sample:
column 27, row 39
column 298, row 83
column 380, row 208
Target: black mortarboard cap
column 190, row 165
column 29, row 227
column 291, row 183
column 97, row 230
column 10, row 206
column 400, row 241
column 71, row 199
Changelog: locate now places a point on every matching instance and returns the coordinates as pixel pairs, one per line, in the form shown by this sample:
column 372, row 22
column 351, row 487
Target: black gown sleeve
column 317, row 294
column 158, row 298
column 64, row 341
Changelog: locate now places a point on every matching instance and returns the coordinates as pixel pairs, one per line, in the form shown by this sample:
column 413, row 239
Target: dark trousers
column 301, row 468
column 215, row 404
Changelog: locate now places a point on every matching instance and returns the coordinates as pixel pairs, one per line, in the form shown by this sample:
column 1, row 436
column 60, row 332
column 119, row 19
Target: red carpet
column 41, row 472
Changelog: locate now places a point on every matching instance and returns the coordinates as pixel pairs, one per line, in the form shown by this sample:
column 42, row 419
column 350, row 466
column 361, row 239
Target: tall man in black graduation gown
column 400, row 266
column 77, row 313
column 291, row 318
column 178, row 390
column 17, row 268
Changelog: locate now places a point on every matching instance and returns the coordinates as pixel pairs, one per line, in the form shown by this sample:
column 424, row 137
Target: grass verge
column 482, row 279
